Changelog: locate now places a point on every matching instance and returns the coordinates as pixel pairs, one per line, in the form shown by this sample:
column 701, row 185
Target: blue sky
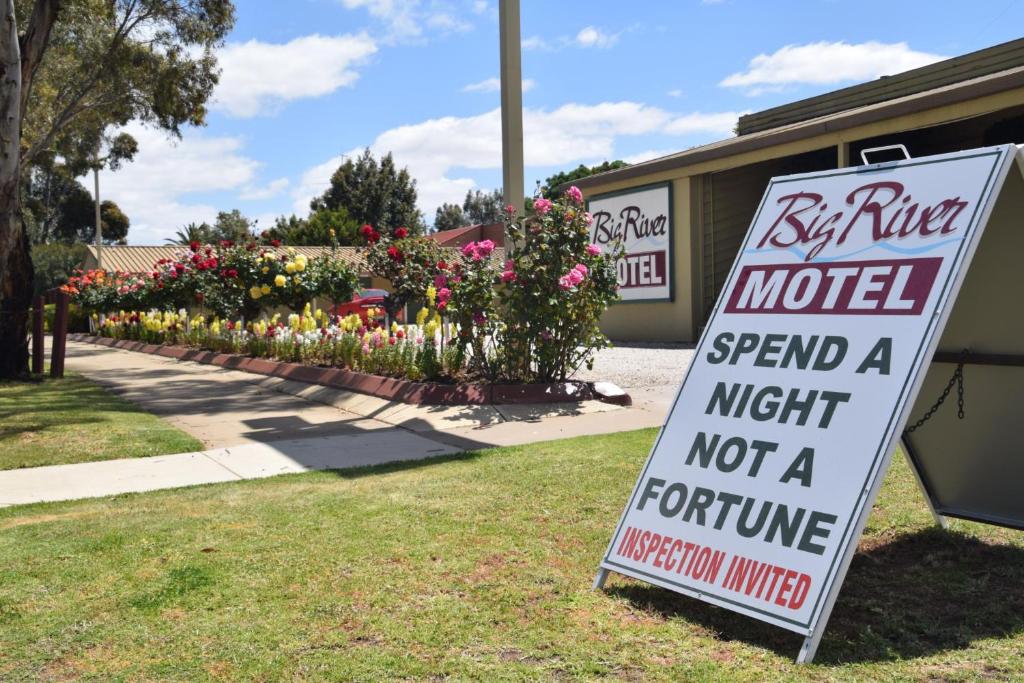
column 306, row 82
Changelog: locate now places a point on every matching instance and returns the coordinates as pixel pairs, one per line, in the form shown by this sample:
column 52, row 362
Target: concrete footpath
column 256, row 426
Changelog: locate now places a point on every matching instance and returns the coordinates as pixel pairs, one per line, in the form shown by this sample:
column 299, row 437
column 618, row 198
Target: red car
column 362, row 301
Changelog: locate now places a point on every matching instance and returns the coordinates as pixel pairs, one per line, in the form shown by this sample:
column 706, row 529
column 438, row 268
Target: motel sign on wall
column 760, row 482
column 640, row 218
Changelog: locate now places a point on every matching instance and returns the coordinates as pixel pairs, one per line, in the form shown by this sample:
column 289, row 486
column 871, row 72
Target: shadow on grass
column 914, row 596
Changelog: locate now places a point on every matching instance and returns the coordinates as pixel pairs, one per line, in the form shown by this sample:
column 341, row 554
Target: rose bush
column 228, row 279
column 557, row 286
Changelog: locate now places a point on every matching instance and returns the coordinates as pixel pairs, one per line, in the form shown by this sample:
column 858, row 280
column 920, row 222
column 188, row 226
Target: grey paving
column 256, row 426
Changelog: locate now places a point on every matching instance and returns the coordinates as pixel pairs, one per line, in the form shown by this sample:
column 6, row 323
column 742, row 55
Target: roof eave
column 931, row 99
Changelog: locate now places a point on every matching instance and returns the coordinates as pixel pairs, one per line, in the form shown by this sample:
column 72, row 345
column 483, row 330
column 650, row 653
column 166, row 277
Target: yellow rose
column 265, row 270
column 289, row 268
column 300, row 265
column 280, row 280
column 255, row 293
column 266, row 288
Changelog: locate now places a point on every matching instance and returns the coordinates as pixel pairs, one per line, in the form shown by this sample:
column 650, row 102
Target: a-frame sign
column 760, row 482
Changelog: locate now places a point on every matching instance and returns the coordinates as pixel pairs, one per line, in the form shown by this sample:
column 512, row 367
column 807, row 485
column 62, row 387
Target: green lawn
column 52, row 422
column 475, row 567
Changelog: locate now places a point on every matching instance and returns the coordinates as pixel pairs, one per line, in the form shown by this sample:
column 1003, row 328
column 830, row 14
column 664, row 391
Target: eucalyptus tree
column 73, row 71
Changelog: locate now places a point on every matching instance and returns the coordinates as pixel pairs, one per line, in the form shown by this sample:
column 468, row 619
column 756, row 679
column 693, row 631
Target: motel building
column 686, row 214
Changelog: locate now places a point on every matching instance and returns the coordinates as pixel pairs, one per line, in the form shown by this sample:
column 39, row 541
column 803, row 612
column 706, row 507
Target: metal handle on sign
column 885, row 148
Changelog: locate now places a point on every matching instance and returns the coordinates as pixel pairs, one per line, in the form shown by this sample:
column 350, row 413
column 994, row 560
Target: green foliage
column 481, row 208
column 373, row 192
column 60, row 209
column 478, row 208
column 193, row 232
column 553, row 184
column 55, row 264
column 231, row 226
column 324, row 228
column 449, row 217
column 109, row 62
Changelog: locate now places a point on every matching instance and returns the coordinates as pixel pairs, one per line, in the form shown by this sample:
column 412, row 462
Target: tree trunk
column 15, row 265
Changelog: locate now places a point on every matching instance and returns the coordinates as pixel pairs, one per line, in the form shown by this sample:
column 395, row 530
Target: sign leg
column 907, row 451
column 602, row 576
column 810, row 646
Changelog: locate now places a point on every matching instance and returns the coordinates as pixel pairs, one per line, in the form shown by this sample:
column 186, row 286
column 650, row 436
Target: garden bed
column 390, row 388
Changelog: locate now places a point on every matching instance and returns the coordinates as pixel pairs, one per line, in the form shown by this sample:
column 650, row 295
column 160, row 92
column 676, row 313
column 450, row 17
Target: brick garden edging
column 390, row 388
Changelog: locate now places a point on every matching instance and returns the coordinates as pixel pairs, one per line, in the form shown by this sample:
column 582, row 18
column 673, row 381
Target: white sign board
column 757, row 489
column 642, row 220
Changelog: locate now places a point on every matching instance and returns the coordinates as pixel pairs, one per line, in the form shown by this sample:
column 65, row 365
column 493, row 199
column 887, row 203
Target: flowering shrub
column 468, row 296
column 409, row 263
column 532, row 317
column 557, row 285
column 312, row 337
column 228, row 279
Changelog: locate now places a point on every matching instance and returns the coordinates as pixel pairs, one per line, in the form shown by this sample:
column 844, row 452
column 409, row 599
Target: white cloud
column 675, row 92
column 437, row 149
column 259, row 77
column 647, row 155
column 408, row 19
column 825, row 63
column 721, row 123
column 268, row 191
column 480, row 6
column 591, row 36
column 401, row 16
column 534, row 43
column 446, row 23
column 153, row 189
column 494, row 85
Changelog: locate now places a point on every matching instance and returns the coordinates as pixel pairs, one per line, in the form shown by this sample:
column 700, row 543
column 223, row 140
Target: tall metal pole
column 99, row 223
column 511, row 104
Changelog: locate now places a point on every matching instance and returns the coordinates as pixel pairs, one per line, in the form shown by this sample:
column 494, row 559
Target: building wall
column 662, row 321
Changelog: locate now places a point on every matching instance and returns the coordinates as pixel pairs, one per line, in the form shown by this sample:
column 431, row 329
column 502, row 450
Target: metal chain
column 958, row 380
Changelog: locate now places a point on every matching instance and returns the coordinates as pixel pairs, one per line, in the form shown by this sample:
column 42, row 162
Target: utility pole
column 99, row 223
column 511, row 104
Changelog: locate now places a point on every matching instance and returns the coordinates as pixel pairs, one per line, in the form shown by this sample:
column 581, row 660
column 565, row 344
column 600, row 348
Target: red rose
column 394, row 253
column 401, row 233
column 366, row 230
column 391, row 341
column 441, row 265
column 193, row 245
column 275, row 243
column 200, row 297
column 400, row 334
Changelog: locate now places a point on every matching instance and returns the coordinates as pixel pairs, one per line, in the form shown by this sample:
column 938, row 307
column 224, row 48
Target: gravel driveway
column 635, row 365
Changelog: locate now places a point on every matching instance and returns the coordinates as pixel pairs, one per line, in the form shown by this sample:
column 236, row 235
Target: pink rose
column 564, row 282
column 469, row 249
column 588, row 217
column 581, row 269
column 510, row 265
column 444, row 294
column 542, row 206
column 508, row 276
column 593, row 249
column 440, row 281
column 575, row 277
column 485, row 247
column 574, row 194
